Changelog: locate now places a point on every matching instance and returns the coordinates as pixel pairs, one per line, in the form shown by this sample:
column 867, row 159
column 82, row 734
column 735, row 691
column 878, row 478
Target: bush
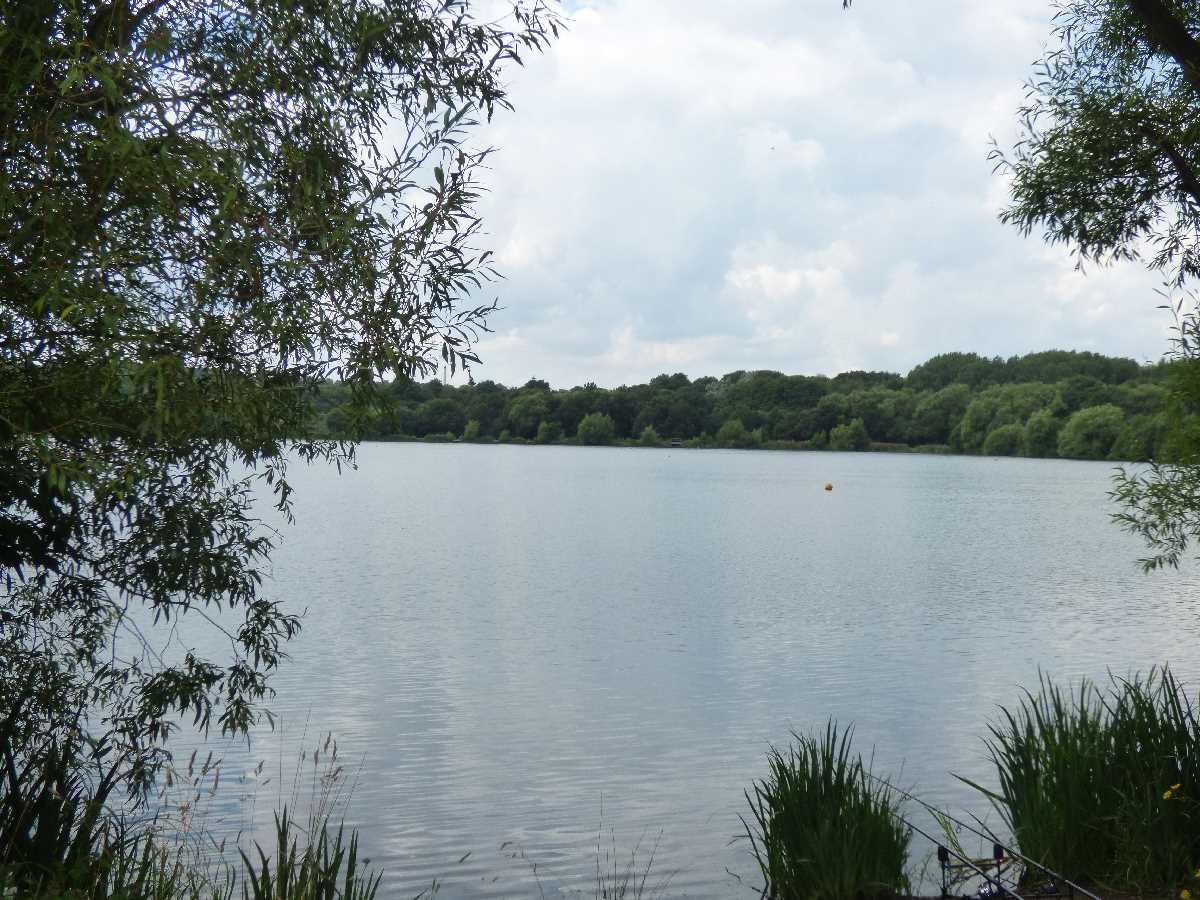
column 548, row 432
column 852, row 436
column 1007, row 440
column 505, row 436
column 823, row 829
column 596, row 428
column 471, row 431
column 733, row 433
column 1104, row 786
column 649, row 437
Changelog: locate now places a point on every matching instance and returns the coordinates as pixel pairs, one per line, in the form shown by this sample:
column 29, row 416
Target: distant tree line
column 1072, row 404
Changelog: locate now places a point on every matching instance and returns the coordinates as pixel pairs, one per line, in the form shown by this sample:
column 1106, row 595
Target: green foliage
column 1105, row 164
column 775, row 409
column 1104, row 786
column 733, row 433
column 851, row 436
column 1101, row 163
column 63, row 834
column 207, row 214
column 649, row 437
column 1041, row 434
column 548, row 433
column 1008, row 404
column 439, row 416
column 527, row 412
column 471, row 430
column 1078, row 391
column 54, row 827
column 1161, row 503
column 1139, row 439
column 822, row 828
column 1090, row 433
column 596, row 428
column 946, row 369
column 326, row 868
column 936, row 414
column 1007, row 440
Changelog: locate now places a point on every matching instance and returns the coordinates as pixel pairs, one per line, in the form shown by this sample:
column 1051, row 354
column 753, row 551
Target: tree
column 1004, row 404
column 596, row 428
column 1007, row 440
column 1090, row 433
column 1107, row 165
column 527, row 412
column 548, row 432
column 1041, row 434
column 649, row 437
column 733, row 433
column 851, row 436
column 1138, row 440
column 438, row 416
column 936, row 414
column 204, row 220
column 1078, row 391
column 954, row 368
column 485, row 404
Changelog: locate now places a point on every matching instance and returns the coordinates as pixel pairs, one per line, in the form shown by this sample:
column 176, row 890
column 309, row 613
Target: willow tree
column 1108, row 164
column 208, row 208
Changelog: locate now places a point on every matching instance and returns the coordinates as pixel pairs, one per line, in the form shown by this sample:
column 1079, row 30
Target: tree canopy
column 1107, row 164
column 1036, row 394
column 208, row 210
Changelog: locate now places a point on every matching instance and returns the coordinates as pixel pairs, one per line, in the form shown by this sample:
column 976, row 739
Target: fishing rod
column 990, row 837
column 995, row 882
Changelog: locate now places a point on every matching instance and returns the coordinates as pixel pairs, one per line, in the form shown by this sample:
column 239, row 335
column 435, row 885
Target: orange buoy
column 828, row 487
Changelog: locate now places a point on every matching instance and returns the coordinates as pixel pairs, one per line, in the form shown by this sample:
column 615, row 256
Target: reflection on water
column 521, row 648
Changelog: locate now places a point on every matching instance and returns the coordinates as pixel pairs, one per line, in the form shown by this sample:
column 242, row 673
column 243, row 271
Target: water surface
column 521, row 648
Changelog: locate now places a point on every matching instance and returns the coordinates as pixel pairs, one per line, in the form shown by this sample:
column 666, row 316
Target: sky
column 701, row 186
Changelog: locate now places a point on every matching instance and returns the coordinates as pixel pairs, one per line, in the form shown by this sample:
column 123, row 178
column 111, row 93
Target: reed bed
column 822, row 828
column 60, row 839
column 1103, row 784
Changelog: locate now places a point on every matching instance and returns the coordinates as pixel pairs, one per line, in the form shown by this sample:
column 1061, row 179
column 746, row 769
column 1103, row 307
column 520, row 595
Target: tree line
column 1072, row 404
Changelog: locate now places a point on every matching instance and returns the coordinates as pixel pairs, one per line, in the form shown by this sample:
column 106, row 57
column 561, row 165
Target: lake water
column 524, row 649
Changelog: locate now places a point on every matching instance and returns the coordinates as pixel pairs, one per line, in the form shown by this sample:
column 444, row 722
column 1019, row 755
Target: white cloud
column 700, row 186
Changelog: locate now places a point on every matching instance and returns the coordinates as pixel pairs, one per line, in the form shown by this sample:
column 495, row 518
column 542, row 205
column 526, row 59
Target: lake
column 542, row 656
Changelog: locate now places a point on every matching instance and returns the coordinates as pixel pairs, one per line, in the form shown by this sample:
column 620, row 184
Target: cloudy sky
column 700, row 186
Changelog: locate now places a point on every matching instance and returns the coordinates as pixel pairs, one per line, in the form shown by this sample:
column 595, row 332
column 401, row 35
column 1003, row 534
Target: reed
column 320, row 864
column 1103, row 784
column 822, row 828
column 62, row 837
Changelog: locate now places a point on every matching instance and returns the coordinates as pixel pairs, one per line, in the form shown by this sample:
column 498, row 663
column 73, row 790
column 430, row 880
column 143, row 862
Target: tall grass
column 1103, row 785
column 64, row 834
column 325, row 866
column 822, row 828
